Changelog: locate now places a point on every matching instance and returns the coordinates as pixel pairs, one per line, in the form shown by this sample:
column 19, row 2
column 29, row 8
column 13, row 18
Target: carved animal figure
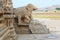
column 24, row 13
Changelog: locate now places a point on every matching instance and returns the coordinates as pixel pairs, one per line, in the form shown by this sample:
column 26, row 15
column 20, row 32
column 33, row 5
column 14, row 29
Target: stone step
column 22, row 30
column 3, row 31
column 5, row 35
column 3, row 27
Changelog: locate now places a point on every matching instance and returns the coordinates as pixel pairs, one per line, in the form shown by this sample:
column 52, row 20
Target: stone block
column 36, row 27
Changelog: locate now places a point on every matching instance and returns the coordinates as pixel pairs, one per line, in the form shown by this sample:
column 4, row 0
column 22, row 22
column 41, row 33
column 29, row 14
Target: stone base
column 24, row 29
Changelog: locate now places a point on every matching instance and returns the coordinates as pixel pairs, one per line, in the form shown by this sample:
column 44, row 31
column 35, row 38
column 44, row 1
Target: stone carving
column 7, row 31
column 24, row 13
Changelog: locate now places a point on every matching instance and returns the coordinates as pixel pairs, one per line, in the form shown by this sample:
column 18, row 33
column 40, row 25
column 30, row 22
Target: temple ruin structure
column 7, row 31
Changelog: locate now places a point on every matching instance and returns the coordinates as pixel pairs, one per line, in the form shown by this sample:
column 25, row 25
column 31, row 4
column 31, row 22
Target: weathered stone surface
column 23, row 14
column 36, row 27
column 23, row 29
column 7, row 31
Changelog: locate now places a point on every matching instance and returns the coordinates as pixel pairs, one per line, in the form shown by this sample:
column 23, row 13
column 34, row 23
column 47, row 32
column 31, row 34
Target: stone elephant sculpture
column 24, row 13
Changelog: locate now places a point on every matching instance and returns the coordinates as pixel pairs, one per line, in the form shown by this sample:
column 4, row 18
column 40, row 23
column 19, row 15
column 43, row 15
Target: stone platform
column 38, row 36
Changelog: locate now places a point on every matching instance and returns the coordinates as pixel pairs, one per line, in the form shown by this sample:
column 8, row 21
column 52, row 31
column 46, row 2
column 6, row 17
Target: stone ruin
column 23, row 18
column 24, row 22
column 7, row 31
column 18, row 20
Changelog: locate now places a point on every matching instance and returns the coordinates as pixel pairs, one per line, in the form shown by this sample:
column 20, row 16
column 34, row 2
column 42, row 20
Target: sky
column 37, row 3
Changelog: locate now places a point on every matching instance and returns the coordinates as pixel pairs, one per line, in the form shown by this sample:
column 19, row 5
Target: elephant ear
column 31, row 7
column 28, row 8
